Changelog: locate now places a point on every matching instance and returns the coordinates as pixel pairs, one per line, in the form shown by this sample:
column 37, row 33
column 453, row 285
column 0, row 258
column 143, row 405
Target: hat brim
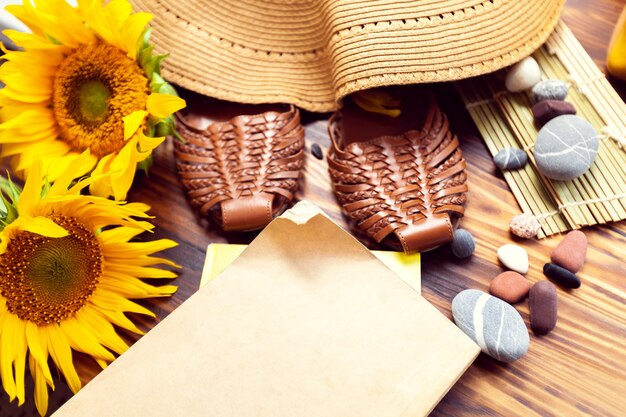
column 313, row 53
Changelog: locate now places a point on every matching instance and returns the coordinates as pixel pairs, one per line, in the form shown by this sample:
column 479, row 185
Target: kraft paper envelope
column 306, row 322
column 220, row 255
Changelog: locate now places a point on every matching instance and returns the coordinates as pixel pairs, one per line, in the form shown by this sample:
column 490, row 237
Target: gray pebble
column 510, row 158
column 462, row 243
column 566, row 147
column 549, row 90
column 494, row 325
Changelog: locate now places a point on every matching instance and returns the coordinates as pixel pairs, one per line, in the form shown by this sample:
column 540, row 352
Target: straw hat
column 314, row 52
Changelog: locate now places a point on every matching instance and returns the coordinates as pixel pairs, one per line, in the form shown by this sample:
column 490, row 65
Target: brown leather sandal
column 406, row 191
column 243, row 172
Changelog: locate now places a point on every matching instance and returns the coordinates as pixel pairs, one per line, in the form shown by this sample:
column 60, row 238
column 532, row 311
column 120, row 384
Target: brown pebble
column 509, row 286
column 543, row 307
column 316, row 150
column 546, row 110
column 571, row 252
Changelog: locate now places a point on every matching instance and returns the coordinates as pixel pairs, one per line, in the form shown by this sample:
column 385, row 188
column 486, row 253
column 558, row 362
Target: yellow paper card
column 220, row 255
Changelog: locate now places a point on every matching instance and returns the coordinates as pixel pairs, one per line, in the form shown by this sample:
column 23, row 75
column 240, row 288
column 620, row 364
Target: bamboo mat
column 505, row 119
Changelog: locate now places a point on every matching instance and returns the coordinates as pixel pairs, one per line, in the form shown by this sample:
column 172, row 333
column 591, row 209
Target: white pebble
column 523, row 75
column 514, row 257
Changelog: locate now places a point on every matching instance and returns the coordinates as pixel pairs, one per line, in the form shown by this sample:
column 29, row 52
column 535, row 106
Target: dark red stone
column 510, row 286
column 542, row 302
column 571, row 252
column 546, row 110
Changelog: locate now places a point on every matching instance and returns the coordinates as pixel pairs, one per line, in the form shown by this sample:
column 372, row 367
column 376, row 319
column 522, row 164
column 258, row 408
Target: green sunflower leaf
column 45, row 188
column 145, row 55
column 146, row 164
column 8, row 187
column 145, row 38
column 153, row 65
column 156, row 82
column 9, row 195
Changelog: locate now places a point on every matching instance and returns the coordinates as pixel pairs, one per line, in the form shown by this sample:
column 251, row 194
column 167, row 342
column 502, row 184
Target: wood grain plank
column 577, row 370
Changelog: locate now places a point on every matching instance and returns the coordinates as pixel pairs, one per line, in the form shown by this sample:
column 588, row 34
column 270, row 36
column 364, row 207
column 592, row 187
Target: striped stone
column 494, row 325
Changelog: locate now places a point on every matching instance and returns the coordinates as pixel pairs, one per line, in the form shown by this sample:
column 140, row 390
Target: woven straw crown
column 314, row 52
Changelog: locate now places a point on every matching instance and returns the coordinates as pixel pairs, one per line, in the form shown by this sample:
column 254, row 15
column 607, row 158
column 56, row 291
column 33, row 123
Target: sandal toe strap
column 247, row 213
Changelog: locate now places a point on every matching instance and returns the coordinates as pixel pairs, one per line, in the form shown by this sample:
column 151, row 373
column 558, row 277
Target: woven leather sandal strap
column 404, row 190
column 242, row 172
column 247, row 213
column 429, row 233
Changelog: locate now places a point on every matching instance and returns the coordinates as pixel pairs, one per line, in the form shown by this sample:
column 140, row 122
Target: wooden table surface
column 578, row 369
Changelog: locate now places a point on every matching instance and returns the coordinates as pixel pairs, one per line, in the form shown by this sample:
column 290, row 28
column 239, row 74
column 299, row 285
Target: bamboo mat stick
column 505, row 119
column 597, row 94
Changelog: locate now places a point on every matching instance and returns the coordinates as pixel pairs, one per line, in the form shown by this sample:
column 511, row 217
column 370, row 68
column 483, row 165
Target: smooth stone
column 462, row 245
column 549, row 90
column 561, row 276
column 571, row 252
column 510, row 158
column 494, row 325
column 514, row 257
column 510, row 287
column 524, row 225
column 565, row 147
column 316, row 150
column 546, row 110
column 542, row 303
column 523, row 75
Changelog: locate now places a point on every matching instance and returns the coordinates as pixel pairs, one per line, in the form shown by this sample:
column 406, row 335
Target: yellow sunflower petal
column 28, row 41
column 42, row 226
column 41, row 389
column 130, row 287
column 117, row 11
column 26, row 14
column 13, row 92
column 20, row 361
column 101, row 327
column 138, row 249
column 32, row 190
column 44, row 59
column 163, row 105
column 38, row 349
column 28, row 122
column 34, row 80
column 97, row 20
column 142, row 271
column 62, row 356
column 59, row 20
column 120, row 320
column 132, row 122
column 124, row 166
column 103, row 186
column 117, row 235
column 7, row 354
column 81, row 165
column 83, row 340
column 103, row 364
column 109, row 300
column 147, row 144
column 132, row 30
column 30, row 151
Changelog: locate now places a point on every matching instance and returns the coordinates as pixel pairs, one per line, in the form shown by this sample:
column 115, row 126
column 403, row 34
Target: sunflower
column 67, row 273
column 86, row 78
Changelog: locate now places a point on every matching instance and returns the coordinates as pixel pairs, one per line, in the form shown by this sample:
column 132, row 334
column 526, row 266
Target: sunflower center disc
column 94, row 101
column 94, row 88
column 45, row 280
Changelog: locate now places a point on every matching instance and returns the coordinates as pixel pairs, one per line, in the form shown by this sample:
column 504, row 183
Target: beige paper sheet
column 220, row 255
column 306, row 322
